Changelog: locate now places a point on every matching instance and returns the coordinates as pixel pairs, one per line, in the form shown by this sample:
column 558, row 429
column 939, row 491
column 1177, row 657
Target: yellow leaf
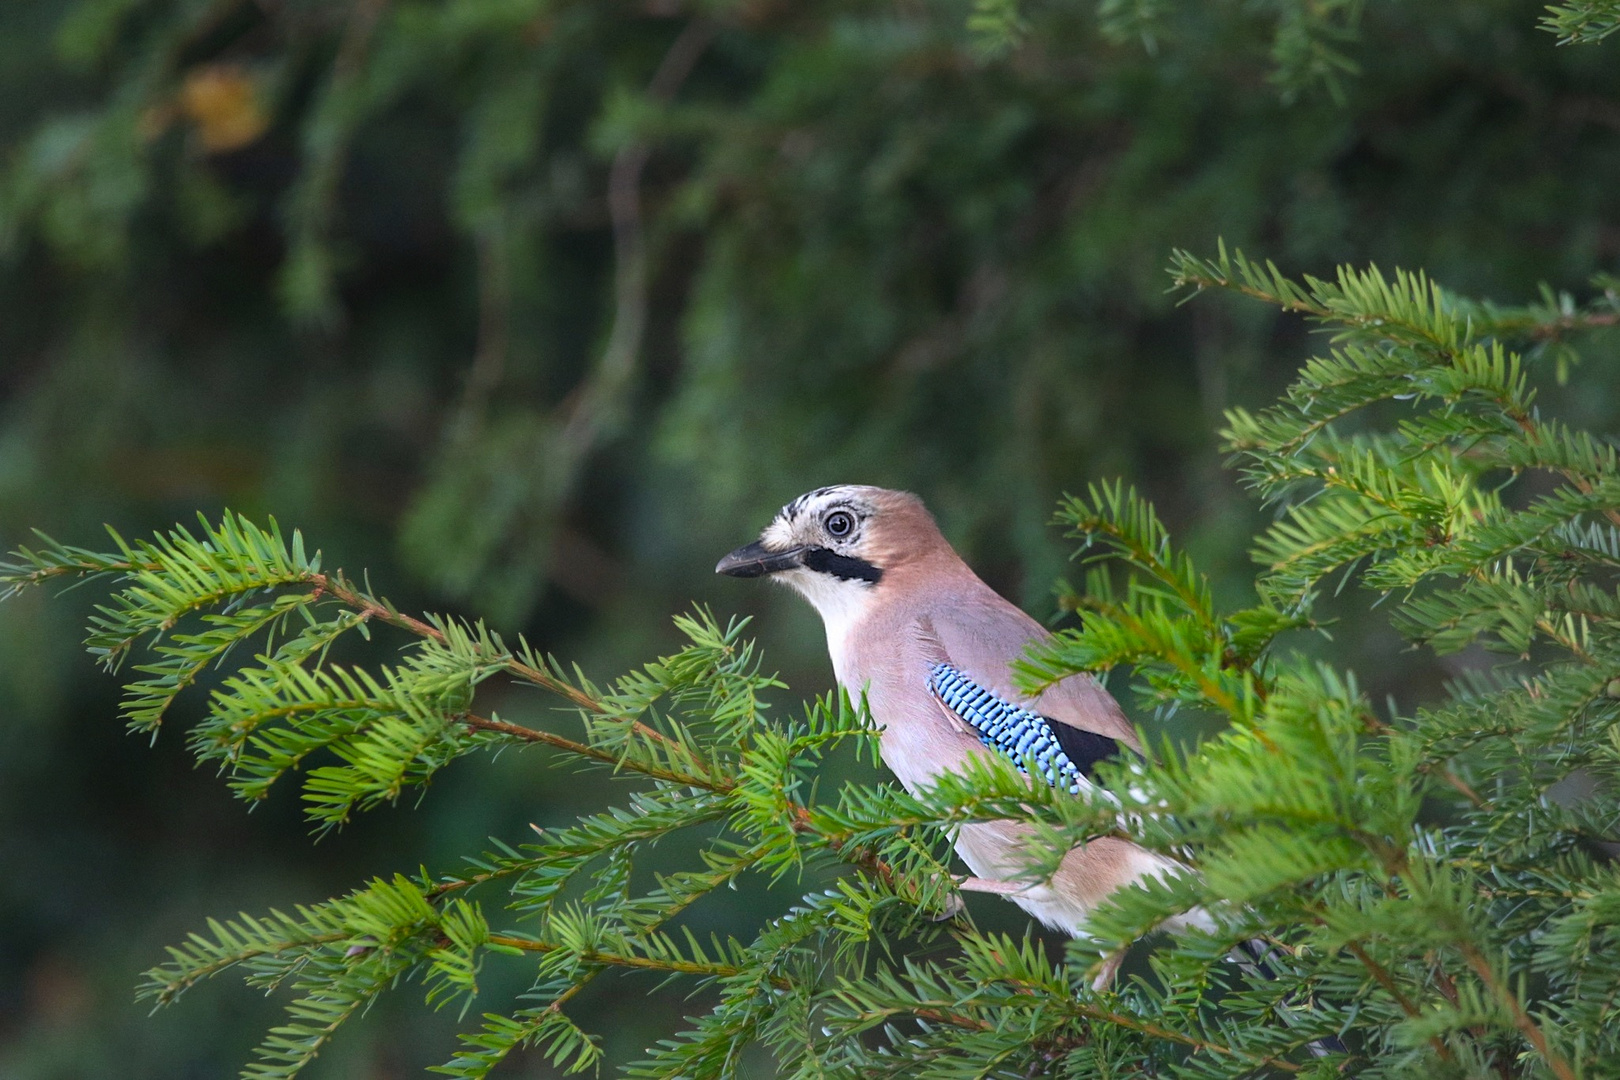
column 222, row 103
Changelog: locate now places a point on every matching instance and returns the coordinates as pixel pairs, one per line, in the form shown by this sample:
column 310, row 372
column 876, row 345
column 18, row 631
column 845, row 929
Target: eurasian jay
column 931, row 646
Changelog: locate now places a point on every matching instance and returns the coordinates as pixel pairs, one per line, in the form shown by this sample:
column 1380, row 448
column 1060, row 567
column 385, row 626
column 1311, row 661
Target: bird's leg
column 1102, row 973
column 954, row 906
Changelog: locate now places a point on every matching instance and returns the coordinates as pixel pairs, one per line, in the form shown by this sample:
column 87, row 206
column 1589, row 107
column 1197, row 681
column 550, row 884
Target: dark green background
column 878, row 252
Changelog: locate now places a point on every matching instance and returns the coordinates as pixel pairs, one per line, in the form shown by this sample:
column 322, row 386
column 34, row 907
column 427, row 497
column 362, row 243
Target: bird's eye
column 839, row 524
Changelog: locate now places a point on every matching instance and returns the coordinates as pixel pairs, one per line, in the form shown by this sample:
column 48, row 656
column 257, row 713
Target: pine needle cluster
column 1435, row 889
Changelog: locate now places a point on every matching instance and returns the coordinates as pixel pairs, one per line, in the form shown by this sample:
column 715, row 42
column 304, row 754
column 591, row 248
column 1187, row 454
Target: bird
column 931, row 646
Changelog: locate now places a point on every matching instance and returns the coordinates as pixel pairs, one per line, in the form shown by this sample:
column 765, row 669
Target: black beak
column 757, row 560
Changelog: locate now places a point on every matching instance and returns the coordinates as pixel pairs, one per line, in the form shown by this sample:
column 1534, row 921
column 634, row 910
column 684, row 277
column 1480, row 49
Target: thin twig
column 940, row 1012
column 1521, row 1019
column 1383, row 977
column 1566, row 323
column 597, row 753
column 591, row 407
column 644, row 963
column 855, row 855
column 338, row 588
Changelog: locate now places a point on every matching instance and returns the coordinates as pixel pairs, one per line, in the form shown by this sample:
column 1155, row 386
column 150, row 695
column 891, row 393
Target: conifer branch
column 1521, row 1020
column 1582, row 21
column 625, row 960
column 1382, row 976
column 384, row 612
column 596, row 753
column 1308, row 823
column 1553, row 329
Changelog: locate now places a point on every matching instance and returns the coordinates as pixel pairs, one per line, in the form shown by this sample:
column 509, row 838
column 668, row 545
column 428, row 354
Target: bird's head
column 836, row 545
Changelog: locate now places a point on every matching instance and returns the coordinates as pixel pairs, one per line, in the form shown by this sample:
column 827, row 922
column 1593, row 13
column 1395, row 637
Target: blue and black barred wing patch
column 1064, row 755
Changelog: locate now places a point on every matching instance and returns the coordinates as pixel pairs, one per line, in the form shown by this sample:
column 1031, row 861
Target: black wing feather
column 1085, row 748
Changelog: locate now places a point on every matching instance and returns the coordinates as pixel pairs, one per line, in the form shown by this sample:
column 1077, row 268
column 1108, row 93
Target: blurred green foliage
column 357, row 264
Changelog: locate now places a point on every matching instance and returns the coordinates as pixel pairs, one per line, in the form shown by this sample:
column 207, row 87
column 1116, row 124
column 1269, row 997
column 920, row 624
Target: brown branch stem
column 1148, row 1028
column 597, row 753
column 340, row 589
column 642, row 963
column 1567, row 323
column 1521, row 1019
column 1378, row 727
column 1382, row 976
column 942, row 1013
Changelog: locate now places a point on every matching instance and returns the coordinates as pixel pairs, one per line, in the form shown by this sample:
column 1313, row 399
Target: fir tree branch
column 1382, row 976
column 384, row 612
column 1409, row 310
column 631, row 961
column 372, row 608
column 854, row 854
column 165, row 991
column 1134, row 530
column 1449, row 776
column 1553, row 329
column 1521, row 1019
column 1237, row 702
column 949, row 1012
column 595, row 753
column 1308, row 821
column 1157, row 1031
column 1582, row 21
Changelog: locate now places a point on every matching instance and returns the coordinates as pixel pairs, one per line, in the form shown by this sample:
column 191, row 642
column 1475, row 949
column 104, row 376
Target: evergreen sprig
column 689, row 726
column 1582, row 21
column 1431, row 889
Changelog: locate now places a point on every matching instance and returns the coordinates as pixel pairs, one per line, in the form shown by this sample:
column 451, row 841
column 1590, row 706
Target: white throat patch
column 841, row 603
